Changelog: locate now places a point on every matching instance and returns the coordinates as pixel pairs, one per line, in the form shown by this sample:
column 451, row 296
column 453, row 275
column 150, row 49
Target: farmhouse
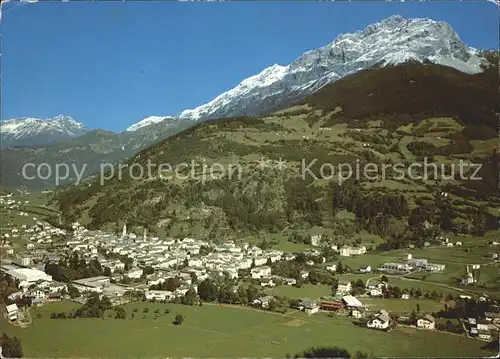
column 331, row 304
column 308, row 305
column 12, row 311
column 380, row 321
column 263, row 301
column 357, row 313
column 426, row 322
column 376, row 292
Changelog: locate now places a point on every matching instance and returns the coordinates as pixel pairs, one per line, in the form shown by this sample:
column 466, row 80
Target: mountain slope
column 87, row 152
column 392, row 41
column 30, row 131
column 393, row 129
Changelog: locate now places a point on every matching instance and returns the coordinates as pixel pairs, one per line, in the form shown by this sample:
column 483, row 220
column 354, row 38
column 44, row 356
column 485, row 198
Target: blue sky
column 111, row 64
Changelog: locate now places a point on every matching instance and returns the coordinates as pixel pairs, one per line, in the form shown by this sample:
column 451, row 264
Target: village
column 134, row 266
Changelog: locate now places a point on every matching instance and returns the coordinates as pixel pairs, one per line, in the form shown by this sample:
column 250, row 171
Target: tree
column 207, row 290
column 148, row 270
column 413, row 315
column 418, row 308
column 418, row 293
column 178, row 319
column 360, row 283
column 340, row 267
column 384, row 279
column 73, row 291
column 252, row 293
column 194, row 277
column 120, row 313
column 242, row 295
column 11, row 347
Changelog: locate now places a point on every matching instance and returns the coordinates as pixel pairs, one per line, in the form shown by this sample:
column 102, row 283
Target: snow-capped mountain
column 35, row 131
column 151, row 120
column 392, row 41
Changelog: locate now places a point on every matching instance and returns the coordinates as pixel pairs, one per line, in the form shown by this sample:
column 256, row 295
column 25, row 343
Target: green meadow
column 221, row 331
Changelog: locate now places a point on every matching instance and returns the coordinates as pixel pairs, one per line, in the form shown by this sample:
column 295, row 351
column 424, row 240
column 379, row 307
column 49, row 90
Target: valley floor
column 222, row 331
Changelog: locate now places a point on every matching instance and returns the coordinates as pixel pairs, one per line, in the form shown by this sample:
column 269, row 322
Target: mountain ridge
column 390, row 42
column 35, row 131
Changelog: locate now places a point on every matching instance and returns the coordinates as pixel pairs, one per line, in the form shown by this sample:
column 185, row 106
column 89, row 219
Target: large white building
column 159, row 295
column 347, row 251
column 28, row 275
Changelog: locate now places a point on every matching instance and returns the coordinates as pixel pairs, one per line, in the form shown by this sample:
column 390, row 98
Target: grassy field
column 403, row 306
column 306, row 291
column 423, row 285
column 217, row 331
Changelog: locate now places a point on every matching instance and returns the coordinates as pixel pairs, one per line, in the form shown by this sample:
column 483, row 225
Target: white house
column 482, row 325
column 376, row 292
column 12, row 311
column 344, row 287
column 380, row 321
column 267, row 282
column 316, row 240
column 331, row 267
column 134, row 273
column 366, row 269
column 347, row 251
column 159, row 295
column 358, row 313
column 260, row 272
column 309, row 306
column 484, row 335
column 263, row 301
column 426, row 322
column 405, row 296
column 304, row 274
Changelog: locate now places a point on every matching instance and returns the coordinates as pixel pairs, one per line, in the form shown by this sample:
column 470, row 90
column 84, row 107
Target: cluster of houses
column 38, row 233
column 482, row 328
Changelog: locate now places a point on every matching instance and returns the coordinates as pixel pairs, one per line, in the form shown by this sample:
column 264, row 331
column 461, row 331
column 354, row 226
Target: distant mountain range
column 29, row 131
column 395, row 40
